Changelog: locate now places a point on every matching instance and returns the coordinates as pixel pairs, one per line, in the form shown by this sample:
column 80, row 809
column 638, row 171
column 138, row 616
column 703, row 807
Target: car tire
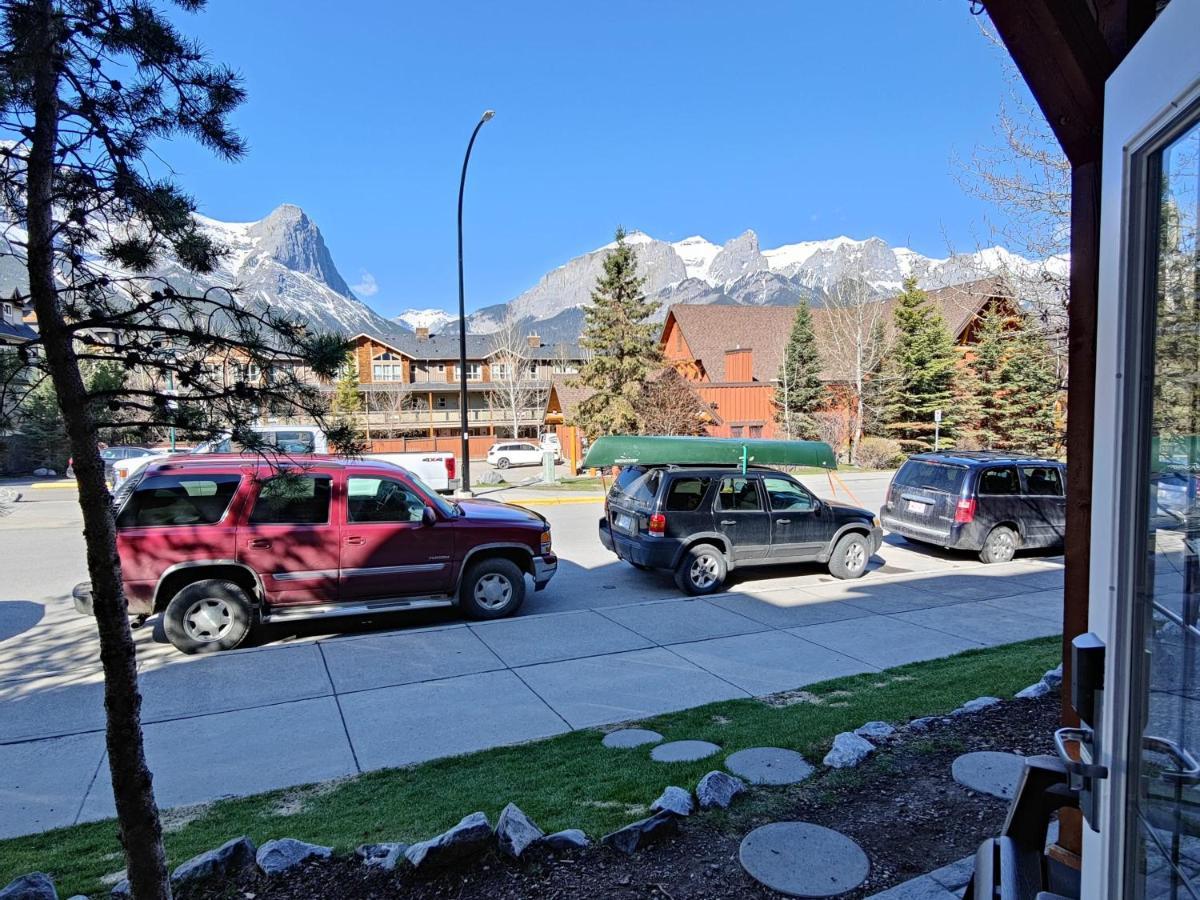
column 208, row 616
column 850, row 556
column 702, row 570
column 492, row 589
column 1000, row 546
column 502, row 462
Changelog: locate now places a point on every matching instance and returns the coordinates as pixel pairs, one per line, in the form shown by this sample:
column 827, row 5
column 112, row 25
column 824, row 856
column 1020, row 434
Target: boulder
column 673, row 800
column 1040, row 689
column 644, row 831
column 975, row 705
column 1053, row 678
column 571, row 839
column 515, row 831
column 41, row 471
column 491, row 476
column 121, row 890
column 924, row 723
column 716, row 790
column 875, row 730
column 381, row 856
column 470, row 836
column 34, row 886
column 849, row 749
column 226, row 861
column 284, row 854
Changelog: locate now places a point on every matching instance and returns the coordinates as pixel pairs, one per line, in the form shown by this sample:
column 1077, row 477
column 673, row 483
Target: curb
column 53, row 485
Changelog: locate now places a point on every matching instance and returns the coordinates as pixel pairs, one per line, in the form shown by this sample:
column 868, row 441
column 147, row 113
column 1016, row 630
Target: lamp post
column 464, row 487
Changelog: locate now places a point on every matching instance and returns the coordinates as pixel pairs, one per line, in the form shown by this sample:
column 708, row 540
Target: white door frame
column 1158, row 80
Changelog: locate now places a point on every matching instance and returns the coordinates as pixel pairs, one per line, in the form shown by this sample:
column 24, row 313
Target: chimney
column 423, row 333
column 534, row 341
column 739, row 364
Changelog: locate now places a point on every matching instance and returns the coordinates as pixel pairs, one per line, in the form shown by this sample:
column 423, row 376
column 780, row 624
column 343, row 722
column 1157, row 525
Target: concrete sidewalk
column 270, row 717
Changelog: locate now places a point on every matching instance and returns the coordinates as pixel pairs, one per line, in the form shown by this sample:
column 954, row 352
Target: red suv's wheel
column 208, row 616
column 492, row 589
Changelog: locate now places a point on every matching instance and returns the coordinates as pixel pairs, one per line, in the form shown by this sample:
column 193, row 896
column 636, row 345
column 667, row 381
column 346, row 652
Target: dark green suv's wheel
column 492, row 589
column 1000, row 546
column 208, row 616
column 850, row 556
column 702, row 570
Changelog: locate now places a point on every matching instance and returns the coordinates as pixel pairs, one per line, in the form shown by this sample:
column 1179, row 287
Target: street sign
column 937, row 415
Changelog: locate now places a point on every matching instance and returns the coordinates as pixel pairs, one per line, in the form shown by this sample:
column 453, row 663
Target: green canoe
column 629, row 450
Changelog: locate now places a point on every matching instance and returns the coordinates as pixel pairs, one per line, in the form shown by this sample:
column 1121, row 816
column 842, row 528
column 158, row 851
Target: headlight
column 545, row 542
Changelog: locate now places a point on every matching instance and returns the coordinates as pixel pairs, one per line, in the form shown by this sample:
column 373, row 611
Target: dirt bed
column 902, row 807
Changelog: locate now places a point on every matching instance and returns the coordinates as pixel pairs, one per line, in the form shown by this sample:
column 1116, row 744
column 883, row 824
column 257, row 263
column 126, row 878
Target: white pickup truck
column 437, row 468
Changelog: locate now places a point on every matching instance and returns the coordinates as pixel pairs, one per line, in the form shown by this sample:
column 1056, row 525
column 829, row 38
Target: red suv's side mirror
column 428, row 516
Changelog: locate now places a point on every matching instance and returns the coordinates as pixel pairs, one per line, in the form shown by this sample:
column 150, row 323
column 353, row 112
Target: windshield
column 930, row 476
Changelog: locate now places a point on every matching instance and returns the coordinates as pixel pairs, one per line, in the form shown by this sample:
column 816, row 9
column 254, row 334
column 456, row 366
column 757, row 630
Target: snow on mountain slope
column 697, row 254
column 435, row 320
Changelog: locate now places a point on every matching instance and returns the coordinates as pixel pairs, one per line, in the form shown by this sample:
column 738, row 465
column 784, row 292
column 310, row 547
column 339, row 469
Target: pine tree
column 347, row 404
column 623, row 342
column 919, row 373
column 800, row 392
column 1030, row 392
column 988, row 356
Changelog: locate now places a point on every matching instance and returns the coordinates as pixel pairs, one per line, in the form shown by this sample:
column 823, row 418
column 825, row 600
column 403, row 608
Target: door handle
column 259, row 544
column 1189, row 769
column 783, row 521
column 354, row 539
column 729, row 521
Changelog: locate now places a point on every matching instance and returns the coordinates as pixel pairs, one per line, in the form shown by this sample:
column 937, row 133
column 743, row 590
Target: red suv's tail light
column 658, row 524
column 451, row 467
column 964, row 512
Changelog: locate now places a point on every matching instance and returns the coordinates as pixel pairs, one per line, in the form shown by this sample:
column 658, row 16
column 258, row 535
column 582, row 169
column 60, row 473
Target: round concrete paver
column 683, row 751
column 803, row 860
column 769, row 765
column 989, row 772
column 631, row 737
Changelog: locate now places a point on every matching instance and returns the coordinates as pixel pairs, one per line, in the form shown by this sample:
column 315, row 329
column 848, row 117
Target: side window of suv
column 686, row 494
column 179, row 500
column 1042, row 481
column 1001, row 480
column 291, row 499
column 738, row 495
column 785, row 494
column 382, row 500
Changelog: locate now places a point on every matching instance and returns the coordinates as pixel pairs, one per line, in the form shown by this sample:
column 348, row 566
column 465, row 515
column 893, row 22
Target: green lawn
column 569, row 781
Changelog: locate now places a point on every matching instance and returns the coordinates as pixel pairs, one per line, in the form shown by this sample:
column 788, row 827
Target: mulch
column 903, row 807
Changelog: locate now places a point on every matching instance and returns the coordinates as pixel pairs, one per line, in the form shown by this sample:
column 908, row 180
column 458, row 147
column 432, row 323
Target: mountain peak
column 289, row 237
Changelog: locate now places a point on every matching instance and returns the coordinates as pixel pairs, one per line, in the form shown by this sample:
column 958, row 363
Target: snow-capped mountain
column 434, row 319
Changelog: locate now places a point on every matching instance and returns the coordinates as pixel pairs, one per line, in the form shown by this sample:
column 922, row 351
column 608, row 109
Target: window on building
column 755, row 431
column 474, row 371
column 387, row 371
column 292, row 500
column 501, row 371
column 735, row 430
column 565, row 368
column 531, row 371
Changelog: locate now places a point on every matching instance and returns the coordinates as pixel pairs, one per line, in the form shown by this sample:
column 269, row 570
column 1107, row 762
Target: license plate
column 624, row 522
column 916, row 506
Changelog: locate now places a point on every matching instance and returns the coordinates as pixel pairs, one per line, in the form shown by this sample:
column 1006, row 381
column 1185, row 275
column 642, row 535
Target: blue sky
column 801, row 120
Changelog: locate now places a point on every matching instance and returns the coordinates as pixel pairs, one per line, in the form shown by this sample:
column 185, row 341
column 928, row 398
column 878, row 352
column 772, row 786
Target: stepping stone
column 683, row 751
column 631, row 737
column 989, row 772
column 769, row 765
column 803, row 860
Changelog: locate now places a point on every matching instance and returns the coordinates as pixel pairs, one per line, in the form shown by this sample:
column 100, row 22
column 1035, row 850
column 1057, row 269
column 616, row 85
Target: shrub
column 879, row 453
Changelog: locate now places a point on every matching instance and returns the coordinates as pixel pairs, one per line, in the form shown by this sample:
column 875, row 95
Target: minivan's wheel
column 702, row 570
column 850, row 556
column 492, row 589
column 1000, row 546
column 208, row 616
column 502, row 462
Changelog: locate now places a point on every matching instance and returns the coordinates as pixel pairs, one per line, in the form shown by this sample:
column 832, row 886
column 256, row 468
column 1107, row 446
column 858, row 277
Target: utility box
column 549, row 475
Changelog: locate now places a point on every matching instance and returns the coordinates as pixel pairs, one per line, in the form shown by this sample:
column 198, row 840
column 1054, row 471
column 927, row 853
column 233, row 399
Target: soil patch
column 902, row 807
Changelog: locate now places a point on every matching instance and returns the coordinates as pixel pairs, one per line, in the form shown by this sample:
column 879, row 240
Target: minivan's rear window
column 929, row 476
column 637, row 486
column 178, row 500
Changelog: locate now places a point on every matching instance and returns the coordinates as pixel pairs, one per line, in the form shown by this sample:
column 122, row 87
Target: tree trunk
column 137, row 813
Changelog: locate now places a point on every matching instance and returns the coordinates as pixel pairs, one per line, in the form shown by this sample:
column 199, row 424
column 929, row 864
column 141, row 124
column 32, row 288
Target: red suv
column 219, row 543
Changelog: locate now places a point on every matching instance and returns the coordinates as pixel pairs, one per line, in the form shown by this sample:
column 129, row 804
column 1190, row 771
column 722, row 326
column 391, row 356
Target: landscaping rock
column 716, row 790
column 491, row 476
column 1053, row 678
column 875, row 730
column 848, row 751
column 381, row 856
column 975, row 705
column 121, row 890
column 645, row 831
column 683, row 751
column 1041, row 689
column 769, row 765
column 228, row 860
column 283, row 855
column 674, row 800
column 803, row 860
column 470, row 836
column 34, row 886
column 515, row 831
column 989, row 772
column 631, row 737
column 924, row 723
column 571, row 839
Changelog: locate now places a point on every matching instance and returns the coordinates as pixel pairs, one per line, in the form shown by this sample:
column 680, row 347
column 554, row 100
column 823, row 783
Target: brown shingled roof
column 569, row 394
column 711, row 329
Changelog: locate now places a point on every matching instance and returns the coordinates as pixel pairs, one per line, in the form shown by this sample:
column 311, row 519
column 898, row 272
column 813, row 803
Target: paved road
column 604, row 643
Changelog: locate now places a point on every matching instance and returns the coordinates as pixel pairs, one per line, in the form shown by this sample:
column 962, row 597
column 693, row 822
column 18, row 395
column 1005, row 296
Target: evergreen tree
column 986, row 362
column 1029, row 392
column 623, row 342
column 919, row 373
column 800, row 391
column 347, row 404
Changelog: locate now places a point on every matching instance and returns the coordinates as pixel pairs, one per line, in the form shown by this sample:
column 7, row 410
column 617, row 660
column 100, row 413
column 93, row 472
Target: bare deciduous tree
column 513, row 390
column 670, row 407
column 856, row 334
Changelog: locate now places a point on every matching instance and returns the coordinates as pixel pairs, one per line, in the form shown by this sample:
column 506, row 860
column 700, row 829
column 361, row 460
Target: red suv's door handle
column 354, row 539
column 259, row 544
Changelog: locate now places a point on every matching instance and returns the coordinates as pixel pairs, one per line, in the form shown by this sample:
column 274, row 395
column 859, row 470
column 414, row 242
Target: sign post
column 937, row 429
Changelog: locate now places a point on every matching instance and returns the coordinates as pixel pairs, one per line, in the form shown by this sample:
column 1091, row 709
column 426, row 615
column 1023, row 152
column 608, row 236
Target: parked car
column 703, row 522
column 220, row 543
column 438, row 469
column 989, row 503
column 114, row 455
column 515, row 453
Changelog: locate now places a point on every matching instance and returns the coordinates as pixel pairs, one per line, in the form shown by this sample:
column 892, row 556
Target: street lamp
column 464, row 488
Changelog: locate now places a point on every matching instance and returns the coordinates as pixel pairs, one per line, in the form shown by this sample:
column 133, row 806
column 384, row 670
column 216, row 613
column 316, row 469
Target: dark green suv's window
column 738, row 495
column 686, row 494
